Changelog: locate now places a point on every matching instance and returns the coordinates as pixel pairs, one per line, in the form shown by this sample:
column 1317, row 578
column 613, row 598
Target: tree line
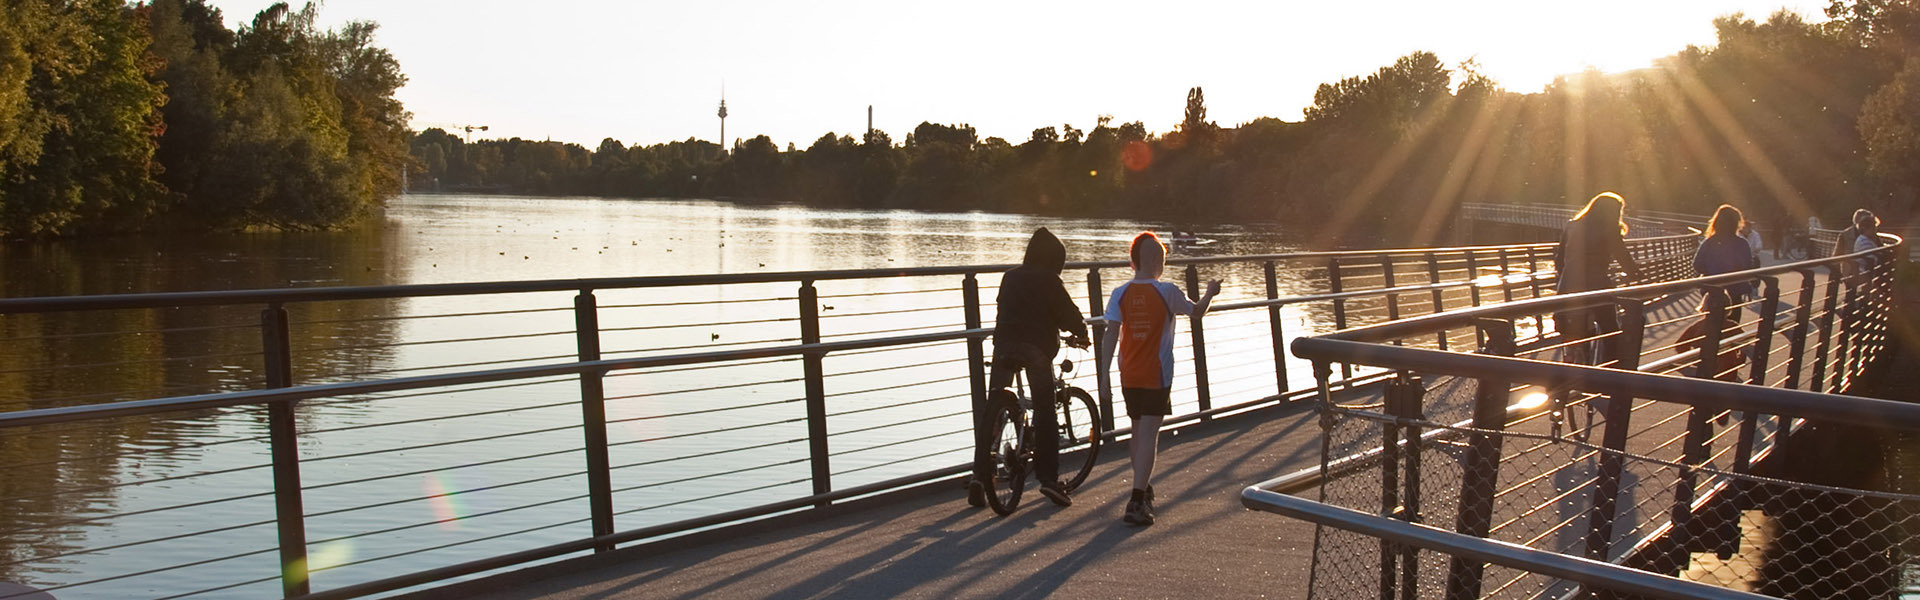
column 1784, row 117
column 116, row 117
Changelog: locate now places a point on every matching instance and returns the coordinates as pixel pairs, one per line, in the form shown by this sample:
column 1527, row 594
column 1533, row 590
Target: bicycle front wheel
column 1008, row 456
column 1079, row 420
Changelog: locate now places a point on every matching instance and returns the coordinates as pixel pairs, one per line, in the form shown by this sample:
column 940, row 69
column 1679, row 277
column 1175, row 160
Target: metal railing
column 395, row 436
column 1479, row 472
column 1554, row 217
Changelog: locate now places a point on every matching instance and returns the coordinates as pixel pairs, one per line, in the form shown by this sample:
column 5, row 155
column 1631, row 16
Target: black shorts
column 1144, row 402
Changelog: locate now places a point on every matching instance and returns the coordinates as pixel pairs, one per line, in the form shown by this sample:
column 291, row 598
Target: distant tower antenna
column 869, row 123
column 723, row 117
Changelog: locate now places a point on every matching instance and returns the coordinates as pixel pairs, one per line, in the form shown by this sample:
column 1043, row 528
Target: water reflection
column 388, row 477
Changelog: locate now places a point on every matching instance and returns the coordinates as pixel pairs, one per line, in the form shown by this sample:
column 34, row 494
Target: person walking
column 1140, row 325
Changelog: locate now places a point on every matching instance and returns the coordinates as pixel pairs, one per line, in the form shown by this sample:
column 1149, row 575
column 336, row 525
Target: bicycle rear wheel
column 1079, row 424
column 1008, row 456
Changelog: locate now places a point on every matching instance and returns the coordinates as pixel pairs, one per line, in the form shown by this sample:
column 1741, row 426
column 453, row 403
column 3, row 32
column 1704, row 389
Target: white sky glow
column 649, row 71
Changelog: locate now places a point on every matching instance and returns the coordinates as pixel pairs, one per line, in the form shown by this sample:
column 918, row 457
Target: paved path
column 935, row 546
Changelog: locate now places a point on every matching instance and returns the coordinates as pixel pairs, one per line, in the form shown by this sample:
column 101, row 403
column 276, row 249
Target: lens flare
column 1137, row 156
column 446, row 507
column 330, row 554
column 1532, row 400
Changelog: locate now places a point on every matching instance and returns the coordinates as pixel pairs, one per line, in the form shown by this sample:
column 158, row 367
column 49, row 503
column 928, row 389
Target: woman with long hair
column 1592, row 242
column 1724, row 251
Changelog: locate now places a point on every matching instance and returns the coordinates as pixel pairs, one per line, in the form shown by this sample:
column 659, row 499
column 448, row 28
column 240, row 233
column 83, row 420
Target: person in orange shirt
column 1140, row 326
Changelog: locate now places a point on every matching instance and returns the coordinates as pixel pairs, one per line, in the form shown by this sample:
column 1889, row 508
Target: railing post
column 593, row 417
column 1389, row 487
column 1414, row 391
column 1387, row 281
column 1335, row 285
column 1095, row 308
column 1398, row 500
column 1693, row 450
column 976, row 366
column 284, row 440
column 815, row 371
column 1199, row 331
column 1826, row 330
column 1797, row 337
column 1533, row 269
column 1506, row 268
column 1274, row 327
column 1618, row 410
column 1481, row 467
column 1439, row 297
column 1473, row 277
column 1762, row 354
column 1848, row 357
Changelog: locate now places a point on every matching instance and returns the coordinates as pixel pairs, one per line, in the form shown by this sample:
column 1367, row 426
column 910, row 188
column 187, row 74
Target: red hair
column 1139, row 244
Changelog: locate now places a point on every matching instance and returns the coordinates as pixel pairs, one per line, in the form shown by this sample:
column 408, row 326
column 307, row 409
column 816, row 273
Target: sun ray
column 1471, row 154
column 1736, row 137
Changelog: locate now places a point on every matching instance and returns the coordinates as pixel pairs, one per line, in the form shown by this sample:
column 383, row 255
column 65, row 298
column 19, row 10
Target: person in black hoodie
column 1034, row 308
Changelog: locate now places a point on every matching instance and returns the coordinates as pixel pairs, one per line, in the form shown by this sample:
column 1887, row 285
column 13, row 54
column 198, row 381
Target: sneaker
column 1137, row 510
column 1146, row 506
column 976, row 494
column 1053, row 491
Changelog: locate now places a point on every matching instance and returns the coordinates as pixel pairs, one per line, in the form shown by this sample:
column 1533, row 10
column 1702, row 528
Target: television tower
column 723, row 118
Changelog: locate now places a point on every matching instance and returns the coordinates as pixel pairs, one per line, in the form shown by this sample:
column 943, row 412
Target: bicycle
column 1079, row 423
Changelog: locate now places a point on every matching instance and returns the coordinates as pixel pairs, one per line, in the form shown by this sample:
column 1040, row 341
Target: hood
column 1045, row 251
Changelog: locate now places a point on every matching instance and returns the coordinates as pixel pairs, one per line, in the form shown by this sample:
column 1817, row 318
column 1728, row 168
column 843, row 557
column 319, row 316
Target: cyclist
column 1034, row 308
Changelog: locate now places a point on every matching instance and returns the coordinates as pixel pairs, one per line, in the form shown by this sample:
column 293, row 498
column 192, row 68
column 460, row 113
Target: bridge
column 799, row 434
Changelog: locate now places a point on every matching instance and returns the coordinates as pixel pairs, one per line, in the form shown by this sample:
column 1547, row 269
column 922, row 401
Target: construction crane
column 468, row 129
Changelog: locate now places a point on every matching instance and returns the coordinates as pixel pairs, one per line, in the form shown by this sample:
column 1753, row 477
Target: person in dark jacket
column 1725, row 251
column 1034, row 308
column 1593, row 240
column 1864, row 235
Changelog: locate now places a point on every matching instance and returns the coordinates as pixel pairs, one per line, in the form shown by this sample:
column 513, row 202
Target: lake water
column 175, row 504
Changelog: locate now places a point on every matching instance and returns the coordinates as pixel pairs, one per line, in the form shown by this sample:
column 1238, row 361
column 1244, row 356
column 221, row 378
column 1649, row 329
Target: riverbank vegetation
column 117, row 117
column 1783, row 116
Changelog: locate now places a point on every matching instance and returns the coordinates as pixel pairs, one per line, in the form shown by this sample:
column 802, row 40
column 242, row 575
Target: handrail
column 1610, row 577
column 288, row 295
column 1547, row 304
column 1707, row 393
column 46, row 416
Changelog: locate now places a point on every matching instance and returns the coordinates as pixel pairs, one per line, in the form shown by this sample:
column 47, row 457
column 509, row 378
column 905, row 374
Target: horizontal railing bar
column 1594, row 573
column 1708, row 393
column 712, row 453
column 288, row 295
column 702, row 411
column 262, row 396
column 427, row 316
column 1425, row 325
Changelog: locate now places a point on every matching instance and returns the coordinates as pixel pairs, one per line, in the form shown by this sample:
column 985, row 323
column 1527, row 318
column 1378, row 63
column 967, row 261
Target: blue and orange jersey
column 1144, row 310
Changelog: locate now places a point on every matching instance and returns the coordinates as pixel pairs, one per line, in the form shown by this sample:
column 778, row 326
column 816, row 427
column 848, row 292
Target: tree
column 79, row 141
column 1890, row 125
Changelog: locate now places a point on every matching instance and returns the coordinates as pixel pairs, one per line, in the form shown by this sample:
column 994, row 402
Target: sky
column 648, row 72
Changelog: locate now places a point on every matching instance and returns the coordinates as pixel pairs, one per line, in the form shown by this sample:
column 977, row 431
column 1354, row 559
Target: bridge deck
column 934, row 545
